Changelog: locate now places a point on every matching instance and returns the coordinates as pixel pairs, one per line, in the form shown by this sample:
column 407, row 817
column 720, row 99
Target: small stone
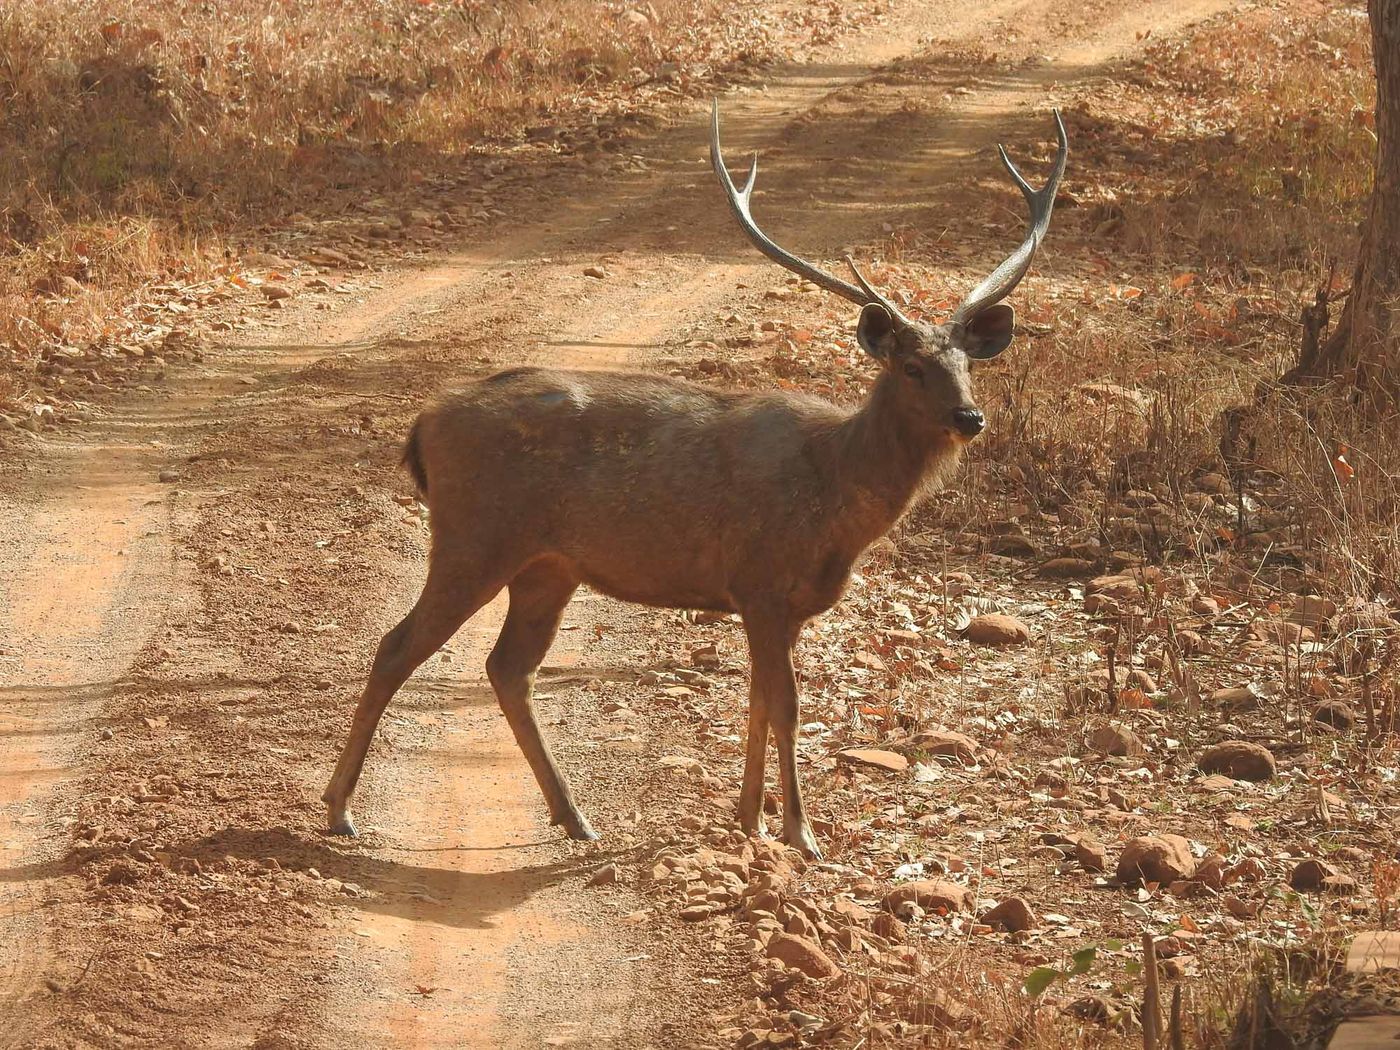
column 1281, row 632
column 1116, row 740
column 596, row 272
column 1067, row 568
column 273, row 292
column 168, row 476
column 1338, row 714
column 802, row 953
column 1091, row 854
column 1239, row 759
column 874, row 758
column 1236, row 698
column 122, row 873
column 1012, row 915
column 604, row 876
column 888, row 926
column 1156, row 858
column 682, row 764
column 1311, row 875
column 1215, row 484
column 1118, row 586
column 696, row 913
column 945, row 742
column 930, row 895
column 328, row 257
column 997, row 629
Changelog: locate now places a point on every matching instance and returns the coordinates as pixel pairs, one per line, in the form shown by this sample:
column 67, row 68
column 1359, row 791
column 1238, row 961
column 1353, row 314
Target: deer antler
column 739, row 204
column 1003, row 280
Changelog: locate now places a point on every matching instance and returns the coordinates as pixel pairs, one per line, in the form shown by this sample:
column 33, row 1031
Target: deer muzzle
column 969, row 422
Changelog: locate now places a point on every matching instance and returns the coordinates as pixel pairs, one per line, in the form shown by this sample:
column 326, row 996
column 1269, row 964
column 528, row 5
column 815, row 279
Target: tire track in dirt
column 78, row 599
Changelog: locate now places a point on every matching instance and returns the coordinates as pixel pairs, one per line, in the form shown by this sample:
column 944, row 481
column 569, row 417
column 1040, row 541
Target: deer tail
column 413, row 458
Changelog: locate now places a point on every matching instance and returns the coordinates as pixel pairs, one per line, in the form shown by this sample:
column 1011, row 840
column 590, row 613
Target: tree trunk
column 1365, row 346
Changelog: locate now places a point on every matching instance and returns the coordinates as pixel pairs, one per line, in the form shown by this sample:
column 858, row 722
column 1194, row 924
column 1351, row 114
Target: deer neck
column 885, row 459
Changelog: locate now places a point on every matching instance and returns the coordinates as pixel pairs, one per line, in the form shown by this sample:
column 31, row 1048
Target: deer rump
column 650, row 490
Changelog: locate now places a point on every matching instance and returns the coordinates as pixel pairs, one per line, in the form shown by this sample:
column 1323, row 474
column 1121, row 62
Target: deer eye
column 913, row 371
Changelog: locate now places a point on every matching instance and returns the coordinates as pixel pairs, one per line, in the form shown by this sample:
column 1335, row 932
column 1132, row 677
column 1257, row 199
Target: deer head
column 928, row 364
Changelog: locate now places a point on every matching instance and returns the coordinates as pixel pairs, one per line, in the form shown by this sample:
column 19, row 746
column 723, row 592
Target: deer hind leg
column 537, row 600
column 453, row 593
column 771, row 638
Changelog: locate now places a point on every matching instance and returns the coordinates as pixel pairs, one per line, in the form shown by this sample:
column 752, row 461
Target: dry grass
column 139, row 141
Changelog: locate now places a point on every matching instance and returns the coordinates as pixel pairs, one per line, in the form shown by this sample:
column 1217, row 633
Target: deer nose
column 969, row 421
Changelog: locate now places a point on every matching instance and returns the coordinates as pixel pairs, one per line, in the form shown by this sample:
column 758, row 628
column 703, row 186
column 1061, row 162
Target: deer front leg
column 751, row 794
column 771, row 638
column 537, row 600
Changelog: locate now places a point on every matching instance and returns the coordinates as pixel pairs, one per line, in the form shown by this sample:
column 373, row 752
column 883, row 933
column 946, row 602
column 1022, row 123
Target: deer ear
column 989, row 333
column 875, row 331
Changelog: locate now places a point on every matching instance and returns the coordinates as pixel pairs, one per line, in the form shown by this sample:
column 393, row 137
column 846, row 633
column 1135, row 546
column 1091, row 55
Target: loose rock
column 1311, row 875
column 931, row 895
column 874, row 758
column 1091, row 854
column 1156, row 858
column 802, row 953
column 945, row 742
column 1116, row 740
column 604, row 876
column 1012, row 914
column 682, row 764
column 1239, row 759
column 888, row 926
column 1067, row 568
column 1338, row 714
column 997, row 629
column 1236, row 698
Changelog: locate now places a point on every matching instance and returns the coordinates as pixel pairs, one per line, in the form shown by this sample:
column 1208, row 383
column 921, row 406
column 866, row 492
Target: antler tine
column 1004, row 279
column 876, row 297
column 740, row 206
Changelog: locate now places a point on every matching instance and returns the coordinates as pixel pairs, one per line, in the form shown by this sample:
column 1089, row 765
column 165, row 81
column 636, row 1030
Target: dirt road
column 193, row 589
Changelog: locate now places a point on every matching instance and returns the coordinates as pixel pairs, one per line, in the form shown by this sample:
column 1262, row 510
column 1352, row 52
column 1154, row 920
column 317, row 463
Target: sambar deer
column 668, row 493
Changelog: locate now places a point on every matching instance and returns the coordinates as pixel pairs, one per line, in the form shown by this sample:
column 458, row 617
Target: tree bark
column 1365, row 346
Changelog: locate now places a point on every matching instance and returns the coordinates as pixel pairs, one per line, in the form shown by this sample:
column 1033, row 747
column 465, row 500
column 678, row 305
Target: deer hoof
column 343, row 825
column 576, row 826
column 804, row 842
column 756, row 828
